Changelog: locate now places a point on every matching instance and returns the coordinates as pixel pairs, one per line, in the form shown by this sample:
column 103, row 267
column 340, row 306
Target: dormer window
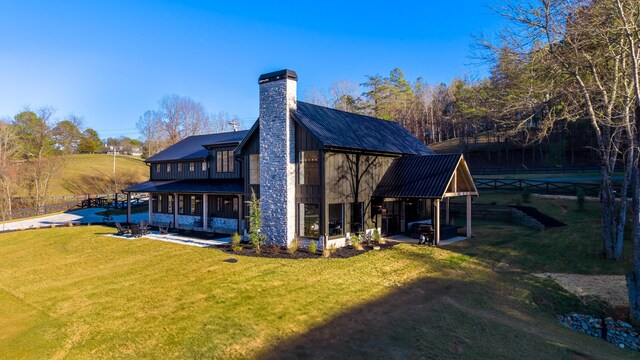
column 224, row 161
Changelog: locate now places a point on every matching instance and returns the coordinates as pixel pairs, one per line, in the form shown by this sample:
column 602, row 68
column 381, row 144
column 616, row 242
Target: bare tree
column 9, row 175
column 181, row 117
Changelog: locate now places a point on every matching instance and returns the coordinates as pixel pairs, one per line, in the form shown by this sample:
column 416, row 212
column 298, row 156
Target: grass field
column 77, row 172
column 75, row 293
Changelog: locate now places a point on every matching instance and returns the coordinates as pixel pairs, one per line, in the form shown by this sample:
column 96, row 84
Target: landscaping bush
column 293, row 247
column 255, row 222
column 235, row 242
column 313, row 247
column 355, row 242
column 377, row 238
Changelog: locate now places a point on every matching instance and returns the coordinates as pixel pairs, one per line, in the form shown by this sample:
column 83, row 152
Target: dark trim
column 253, row 129
column 277, row 75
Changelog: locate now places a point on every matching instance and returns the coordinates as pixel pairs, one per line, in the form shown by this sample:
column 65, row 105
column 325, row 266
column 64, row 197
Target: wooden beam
column 469, row 234
column 447, row 213
column 151, row 208
column 205, row 210
column 436, row 223
column 175, row 210
column 128, row 207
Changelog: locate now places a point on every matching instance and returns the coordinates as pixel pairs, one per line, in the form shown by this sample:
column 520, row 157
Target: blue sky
column 109, row 61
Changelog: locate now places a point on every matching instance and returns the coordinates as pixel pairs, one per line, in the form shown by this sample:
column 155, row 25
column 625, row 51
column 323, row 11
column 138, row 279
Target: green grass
column 80, row 171
column 75, row 293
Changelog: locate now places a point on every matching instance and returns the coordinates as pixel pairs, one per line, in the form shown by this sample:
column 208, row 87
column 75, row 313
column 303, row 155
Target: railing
column 536, row 170
column 539, row 186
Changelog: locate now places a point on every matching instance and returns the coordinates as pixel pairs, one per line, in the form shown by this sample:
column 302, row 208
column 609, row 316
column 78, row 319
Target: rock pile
column 618, row 332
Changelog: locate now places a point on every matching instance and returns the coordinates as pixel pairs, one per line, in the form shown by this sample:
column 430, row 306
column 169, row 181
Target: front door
column 391, row 218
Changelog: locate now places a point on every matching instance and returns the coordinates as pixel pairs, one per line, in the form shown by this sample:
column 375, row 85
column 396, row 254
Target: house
column 320, row 174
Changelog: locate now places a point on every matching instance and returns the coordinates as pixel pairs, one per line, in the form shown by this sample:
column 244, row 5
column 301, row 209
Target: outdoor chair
column 426, row 235
column 121, row 229
column 143, row 228
column 135, row 230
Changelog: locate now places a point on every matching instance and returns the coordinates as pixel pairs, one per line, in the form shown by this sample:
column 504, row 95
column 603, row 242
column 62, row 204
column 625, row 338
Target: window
column 225, row 161
column 170, row 204
column 154, row 200
column 168, row 168
column 192, row 166
column 308, row 168
column 235, row 204
column 204, row 166
column 157, row 168
column 181, row 204
column 308, row 220
column 159, row 204
column 179, row 167
column 219, row 204
column 336, row 219
column 195, row 205
column 357, row 217
column 254, row 169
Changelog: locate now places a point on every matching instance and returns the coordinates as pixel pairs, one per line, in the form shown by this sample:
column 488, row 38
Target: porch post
column 128, row 207
column 447, row 213
column 150, row 208
column 469, row 216
column 205, row 210
column 436, row 225
column 240, row 215
column 175, row 210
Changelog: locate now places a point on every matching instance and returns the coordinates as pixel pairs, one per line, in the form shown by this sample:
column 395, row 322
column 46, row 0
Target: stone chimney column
column 277, row 156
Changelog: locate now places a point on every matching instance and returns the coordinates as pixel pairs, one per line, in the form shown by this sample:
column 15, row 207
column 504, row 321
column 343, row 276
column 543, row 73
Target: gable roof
column 341, row 129
column 426, row 177
column 192, row 147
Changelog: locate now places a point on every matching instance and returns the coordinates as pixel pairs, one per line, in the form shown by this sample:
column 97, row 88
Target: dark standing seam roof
column 341, row 129
column 219, row 186
column 192, row 147
column 418, row 177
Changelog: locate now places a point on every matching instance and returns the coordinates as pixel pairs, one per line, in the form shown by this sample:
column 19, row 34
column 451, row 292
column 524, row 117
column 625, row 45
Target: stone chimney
column 277, row 155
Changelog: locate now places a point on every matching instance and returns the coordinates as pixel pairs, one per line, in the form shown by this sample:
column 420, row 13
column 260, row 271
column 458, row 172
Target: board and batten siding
column 340, row 175
column 213, row 169
column 174, row 174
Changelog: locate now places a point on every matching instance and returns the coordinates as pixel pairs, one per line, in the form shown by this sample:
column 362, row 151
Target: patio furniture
column 144, row 228
column 135, row 231
column 163, row 228
column 426, row 234
column 122, row 230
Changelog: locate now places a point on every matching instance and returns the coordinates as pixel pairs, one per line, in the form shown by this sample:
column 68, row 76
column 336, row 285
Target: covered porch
column 417, row 190
column 213, row 205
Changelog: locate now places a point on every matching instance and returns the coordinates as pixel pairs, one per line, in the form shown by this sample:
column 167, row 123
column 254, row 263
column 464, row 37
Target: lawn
column 73, row 292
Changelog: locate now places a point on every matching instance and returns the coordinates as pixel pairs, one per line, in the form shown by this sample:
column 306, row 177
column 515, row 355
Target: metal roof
column 424, row 177
column 192, row 147
column 341, row 129
column 214, row 186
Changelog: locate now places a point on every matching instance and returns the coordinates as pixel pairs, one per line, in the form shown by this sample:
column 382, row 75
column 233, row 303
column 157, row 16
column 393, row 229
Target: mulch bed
column 279, row 252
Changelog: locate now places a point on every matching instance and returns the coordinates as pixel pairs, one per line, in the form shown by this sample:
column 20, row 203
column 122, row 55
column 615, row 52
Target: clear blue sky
column 109, row 61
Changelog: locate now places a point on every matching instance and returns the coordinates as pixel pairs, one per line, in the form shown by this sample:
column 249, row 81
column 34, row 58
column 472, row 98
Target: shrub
column 293, row 247
column 526, row 194
column 377, row 238
column 313, row 247
column 355, row 241
column 255, row 222
column 332, row 249
column 235, row 242
column 326, row 253
column 580, row 199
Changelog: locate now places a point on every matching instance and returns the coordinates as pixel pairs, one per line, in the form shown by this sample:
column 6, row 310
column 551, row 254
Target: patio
column 178, row 239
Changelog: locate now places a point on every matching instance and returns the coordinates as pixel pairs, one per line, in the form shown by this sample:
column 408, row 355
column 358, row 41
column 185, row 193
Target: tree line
column 177, row 117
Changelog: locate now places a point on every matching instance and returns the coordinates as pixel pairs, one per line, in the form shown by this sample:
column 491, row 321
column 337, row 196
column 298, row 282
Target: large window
column 170, row 204
column 336, row 219
column 308, row 168
column 159, row 204
column 254, row 169
column 224, row 161
column 357, row 217
column 195, row 205
column 181, row 204
column 309, row 220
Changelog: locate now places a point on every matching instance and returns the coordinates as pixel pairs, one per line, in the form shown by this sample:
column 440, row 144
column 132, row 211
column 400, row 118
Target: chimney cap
column 278, row 75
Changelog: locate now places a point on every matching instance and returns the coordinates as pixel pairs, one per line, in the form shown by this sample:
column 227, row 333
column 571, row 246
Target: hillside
column 87, row 173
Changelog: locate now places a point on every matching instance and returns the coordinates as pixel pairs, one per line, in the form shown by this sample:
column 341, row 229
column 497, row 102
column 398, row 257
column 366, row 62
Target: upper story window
column 168, row 168
column 308, row 168
column 254, row 169
column 192, row 166
column 157, row 168
column 179, row 167
column 204, row 166
column 224, row 161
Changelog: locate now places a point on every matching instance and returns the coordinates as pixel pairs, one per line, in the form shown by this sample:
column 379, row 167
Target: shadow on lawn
column 432, row 318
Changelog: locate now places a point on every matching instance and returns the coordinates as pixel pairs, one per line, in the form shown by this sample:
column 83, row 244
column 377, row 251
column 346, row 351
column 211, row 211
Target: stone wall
column 277, row 160
column 223, row 225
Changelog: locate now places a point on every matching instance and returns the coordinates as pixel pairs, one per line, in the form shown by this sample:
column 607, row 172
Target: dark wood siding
column 213, row 170
column 222, row 206
column 340, row 175
column 186, row 172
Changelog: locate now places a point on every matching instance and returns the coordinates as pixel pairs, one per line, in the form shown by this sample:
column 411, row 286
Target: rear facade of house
column 320, row 174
